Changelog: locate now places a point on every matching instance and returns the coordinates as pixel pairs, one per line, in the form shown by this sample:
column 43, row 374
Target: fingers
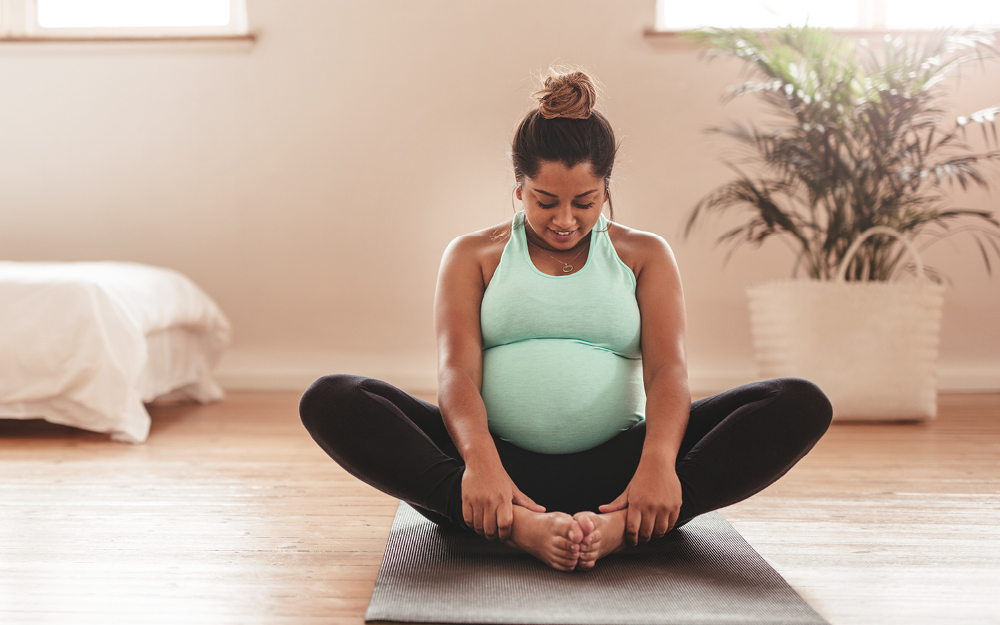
column 505, row 518
column 641, row 527
column 656, row 523
column 674, row 516
column 477, row 520
column 663, row 524
column 490, row 522
column 647, row 525
column 526, row 502
column 633, row 520
column 620, row 503
column 467, row 514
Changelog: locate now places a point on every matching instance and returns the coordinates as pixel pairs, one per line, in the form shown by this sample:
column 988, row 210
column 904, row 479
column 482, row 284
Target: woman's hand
column 653, row 499
column 488, row 496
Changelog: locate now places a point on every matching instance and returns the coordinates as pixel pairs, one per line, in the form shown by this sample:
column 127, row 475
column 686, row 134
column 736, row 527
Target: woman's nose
column 564, row 217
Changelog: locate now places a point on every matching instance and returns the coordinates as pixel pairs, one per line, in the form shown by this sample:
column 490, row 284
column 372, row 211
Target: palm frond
column 861, row 142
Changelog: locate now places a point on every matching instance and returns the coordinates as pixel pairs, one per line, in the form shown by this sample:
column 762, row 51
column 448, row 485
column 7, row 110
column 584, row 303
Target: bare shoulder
column 481, row 241
column 481, row 249
column 640, row 249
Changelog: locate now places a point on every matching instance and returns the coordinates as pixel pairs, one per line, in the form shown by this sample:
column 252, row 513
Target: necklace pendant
column 567, row 268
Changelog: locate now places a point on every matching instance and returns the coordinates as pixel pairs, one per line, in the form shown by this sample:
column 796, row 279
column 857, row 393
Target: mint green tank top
column 562, row 368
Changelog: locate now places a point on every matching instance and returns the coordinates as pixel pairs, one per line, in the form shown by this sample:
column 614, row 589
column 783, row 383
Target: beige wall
column 309, row 182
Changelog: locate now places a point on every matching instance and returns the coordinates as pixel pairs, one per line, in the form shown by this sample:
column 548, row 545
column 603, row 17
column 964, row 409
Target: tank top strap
column 518, row 239
column 602, row 251
column 600, row 241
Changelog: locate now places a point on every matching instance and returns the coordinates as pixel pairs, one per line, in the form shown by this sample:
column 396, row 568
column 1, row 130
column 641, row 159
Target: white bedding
column 85, row 344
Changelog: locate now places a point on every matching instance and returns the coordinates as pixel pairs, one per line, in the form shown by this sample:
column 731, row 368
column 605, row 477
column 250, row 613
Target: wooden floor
column 230, row 514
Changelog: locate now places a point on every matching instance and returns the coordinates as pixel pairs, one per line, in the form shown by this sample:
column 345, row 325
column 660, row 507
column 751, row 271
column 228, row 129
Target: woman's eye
column 554, row 204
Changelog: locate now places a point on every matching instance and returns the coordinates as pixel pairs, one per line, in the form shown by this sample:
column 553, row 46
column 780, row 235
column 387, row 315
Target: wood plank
column 231, row 514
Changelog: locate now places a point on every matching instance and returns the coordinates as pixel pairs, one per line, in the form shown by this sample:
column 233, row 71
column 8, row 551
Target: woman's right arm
column 488, row 493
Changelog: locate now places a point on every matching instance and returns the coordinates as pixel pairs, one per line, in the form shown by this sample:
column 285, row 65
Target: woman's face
column 561, row 204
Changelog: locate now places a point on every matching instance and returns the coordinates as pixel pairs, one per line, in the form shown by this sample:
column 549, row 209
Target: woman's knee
column 807, row 403
column 328, row 398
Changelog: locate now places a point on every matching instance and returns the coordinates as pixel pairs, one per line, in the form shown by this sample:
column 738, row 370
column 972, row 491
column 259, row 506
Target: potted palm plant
column 853, row 168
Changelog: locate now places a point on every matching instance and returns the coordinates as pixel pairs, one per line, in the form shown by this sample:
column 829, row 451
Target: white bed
column 87, row 344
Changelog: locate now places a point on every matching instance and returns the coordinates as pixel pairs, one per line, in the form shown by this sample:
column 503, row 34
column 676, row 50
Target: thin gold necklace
column 567, row 267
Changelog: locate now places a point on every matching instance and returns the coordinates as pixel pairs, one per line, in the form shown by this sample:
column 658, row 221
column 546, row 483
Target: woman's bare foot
column 603, row 534
column 552, row 537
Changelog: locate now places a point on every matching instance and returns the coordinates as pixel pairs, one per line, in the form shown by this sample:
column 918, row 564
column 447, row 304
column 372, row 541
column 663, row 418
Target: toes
column 593, row 542
column 564, row 544
column 567, row 527
column 567, row 564
column 569, row 552
column 585, row 522
column 562, row 523
column 586, row 561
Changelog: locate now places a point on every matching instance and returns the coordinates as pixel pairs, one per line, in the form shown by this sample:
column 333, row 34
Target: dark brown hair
column 566, row 129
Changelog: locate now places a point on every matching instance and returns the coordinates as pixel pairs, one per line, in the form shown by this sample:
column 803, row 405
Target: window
column 59, row 19
column 673, row 15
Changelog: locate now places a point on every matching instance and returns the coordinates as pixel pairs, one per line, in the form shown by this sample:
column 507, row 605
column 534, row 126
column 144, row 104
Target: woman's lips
column 562, row 238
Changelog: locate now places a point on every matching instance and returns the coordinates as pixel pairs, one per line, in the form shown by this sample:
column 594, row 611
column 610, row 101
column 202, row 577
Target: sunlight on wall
column 935, row 14
column 730, row 13
column 132, row 13
column 896, row 14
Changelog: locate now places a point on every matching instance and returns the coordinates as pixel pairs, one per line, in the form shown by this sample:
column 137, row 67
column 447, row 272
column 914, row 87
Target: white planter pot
column 871, row 346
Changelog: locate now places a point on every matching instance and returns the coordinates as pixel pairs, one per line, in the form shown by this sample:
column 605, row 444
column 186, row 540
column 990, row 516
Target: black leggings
column 736, row 444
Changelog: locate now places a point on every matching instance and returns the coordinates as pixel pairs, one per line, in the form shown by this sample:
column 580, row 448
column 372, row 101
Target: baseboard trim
column 411, row 382
column 703, row 381
column 969, row 379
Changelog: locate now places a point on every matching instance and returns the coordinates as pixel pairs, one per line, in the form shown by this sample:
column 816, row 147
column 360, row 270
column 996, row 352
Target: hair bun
column 570, row 94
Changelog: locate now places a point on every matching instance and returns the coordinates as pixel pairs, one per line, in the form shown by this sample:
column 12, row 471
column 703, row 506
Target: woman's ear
column 517, row 192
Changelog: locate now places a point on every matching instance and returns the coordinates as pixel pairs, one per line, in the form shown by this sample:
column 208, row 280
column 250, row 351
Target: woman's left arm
column 653, row 496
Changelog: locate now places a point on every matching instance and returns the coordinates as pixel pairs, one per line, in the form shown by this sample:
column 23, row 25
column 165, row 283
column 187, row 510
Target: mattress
column 87, row 344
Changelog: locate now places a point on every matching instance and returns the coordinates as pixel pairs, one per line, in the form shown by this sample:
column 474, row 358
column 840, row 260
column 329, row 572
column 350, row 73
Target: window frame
column 19, row 22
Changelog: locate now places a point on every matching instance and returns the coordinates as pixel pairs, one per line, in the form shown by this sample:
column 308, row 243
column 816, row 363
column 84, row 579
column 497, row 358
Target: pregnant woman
column 565, row 426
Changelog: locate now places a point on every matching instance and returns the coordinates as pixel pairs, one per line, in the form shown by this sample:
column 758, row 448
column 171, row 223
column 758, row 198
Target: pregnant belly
column 559, row 396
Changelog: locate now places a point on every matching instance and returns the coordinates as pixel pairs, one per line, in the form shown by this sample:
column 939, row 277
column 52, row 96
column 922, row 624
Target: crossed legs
column 737, row 443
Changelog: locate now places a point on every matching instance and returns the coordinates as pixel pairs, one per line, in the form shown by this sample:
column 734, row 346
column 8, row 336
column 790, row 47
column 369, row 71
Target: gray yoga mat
column 704, row 573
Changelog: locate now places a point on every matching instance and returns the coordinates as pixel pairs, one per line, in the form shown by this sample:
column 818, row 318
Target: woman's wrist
column 662, row 442
column 658, row 455
column 481, row 454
